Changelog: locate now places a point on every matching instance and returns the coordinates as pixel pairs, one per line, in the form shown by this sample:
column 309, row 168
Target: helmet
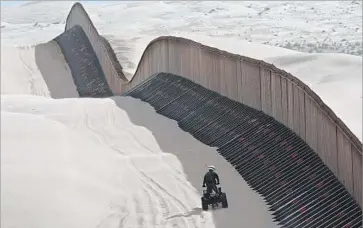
column 211, row 168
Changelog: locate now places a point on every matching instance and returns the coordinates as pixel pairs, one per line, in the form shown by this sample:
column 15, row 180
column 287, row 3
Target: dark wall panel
column 86, row 70
column 299, row 189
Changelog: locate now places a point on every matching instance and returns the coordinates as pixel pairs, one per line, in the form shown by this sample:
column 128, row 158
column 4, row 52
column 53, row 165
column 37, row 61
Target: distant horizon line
column 19, row 3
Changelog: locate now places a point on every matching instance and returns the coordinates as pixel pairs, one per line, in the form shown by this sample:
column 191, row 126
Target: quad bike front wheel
column 224, row 200
column 204, row 204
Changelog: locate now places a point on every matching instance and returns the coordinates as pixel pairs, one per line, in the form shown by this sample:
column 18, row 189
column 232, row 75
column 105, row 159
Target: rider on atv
column 211, row 180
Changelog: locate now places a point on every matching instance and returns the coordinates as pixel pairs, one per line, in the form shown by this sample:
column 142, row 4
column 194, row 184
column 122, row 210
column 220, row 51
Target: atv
column 214, row 199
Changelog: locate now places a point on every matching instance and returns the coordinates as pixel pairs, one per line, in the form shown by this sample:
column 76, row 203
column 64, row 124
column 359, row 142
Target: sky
column 12, row 3
column 17, row 3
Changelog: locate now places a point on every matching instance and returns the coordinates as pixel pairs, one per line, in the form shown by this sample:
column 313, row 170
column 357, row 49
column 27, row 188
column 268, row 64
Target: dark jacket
column 211, row 178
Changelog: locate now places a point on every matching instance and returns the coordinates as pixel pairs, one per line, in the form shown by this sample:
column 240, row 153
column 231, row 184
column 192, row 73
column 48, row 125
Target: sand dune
column 114, row 162
column 36, row 70
column 110, row 161
column 19, row 72
column 102, row 162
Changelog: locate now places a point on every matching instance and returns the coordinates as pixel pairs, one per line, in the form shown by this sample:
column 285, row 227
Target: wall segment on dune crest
column 252, row 82
column 87, row 73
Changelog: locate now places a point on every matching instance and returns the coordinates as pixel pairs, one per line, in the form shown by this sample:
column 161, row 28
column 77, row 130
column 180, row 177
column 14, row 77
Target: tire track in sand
column 159, row 197
column 177, row 203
